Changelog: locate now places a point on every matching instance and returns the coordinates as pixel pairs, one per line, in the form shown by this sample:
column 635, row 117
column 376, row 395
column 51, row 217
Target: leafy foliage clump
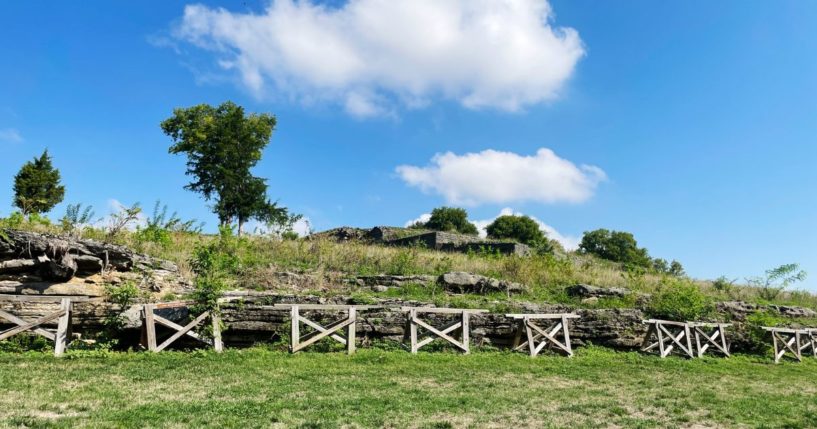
column 450, row 219
column 680, row 300
column 160, row 226
column 776, row 280
column 213, row 263
column 519, row 228
column 222, row 145
column 76, row 219
column 617, row 246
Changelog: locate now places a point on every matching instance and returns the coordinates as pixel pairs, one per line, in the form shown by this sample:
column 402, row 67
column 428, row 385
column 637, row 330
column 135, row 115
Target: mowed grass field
column 259, row 388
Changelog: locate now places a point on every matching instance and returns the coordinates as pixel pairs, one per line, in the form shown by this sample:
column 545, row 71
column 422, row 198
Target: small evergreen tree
column 37, row 187
column 451, row 219
column 519, row 228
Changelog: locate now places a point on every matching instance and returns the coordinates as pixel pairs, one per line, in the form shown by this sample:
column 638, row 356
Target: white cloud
column 422, row 218
column 569, row 242
column 303, row 226
column 10, row 135
column 369, row 55
column 499, row 177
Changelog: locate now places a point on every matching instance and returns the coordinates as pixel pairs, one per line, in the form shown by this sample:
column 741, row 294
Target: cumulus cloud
column 370, row 55
column 499, row 177
column 568, row 242
column 423, row 218
column 10, row 135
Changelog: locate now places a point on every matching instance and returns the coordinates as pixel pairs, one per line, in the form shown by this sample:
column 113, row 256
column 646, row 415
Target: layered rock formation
column 40, row 265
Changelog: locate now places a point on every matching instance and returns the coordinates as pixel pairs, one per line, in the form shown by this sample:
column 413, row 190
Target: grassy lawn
column 379, row 388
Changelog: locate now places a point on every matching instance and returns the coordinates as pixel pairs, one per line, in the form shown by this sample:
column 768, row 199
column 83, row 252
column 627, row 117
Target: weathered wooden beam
column 48, row 298
column 150, row 325
column 320, row 328
column 61, row 336
column 176, row 327
column 22, row 328
column 321, row 335
column 351, row 331
column 18, row 321
column 442, row 310
column 183, row 331
column 327, row 306
column 542, row 315
column 440, row 334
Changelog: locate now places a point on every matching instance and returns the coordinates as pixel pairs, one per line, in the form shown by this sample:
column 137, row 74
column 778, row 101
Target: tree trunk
column 240, row 226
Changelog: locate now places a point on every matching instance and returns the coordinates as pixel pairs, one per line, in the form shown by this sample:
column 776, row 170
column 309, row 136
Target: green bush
column 680, row 300
column 617, row 246
column 450, row 219
column 758, row 340
column 520, row 228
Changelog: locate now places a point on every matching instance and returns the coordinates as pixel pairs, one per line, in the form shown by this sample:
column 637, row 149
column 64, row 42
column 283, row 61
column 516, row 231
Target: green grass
column 380, row 388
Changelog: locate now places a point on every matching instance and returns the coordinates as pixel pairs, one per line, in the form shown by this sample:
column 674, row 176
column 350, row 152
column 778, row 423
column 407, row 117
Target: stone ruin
column 437, row 240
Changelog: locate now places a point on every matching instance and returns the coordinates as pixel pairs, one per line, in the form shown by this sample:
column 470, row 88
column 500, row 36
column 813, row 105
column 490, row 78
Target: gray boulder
column 588, row 291
column 461, row 282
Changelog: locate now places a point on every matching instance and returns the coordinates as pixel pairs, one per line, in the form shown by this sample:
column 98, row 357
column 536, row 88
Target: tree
column 451, row 219
column 615, row 246
column 520, row 228
column 673, row 268
column 222, row 145
column 676, row 269
column 37, row 187
column 776, row 280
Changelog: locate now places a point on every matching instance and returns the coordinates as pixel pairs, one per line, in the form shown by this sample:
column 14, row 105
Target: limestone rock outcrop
column 42, row 264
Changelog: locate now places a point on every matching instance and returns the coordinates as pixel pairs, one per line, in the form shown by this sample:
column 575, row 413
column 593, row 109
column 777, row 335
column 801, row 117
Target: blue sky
column 698, row 118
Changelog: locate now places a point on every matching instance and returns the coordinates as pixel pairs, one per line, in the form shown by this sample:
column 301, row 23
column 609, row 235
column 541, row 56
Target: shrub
column 519, row 228
column 450, row 219
column 757, row 339
column 615, row 246
column 724, row 285
column 680, row 300
column 76, row 219
column 123, row 296
column 776, row 280
column 212, row 263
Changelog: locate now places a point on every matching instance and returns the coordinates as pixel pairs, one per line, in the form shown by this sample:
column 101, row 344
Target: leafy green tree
column 673, row 268
column 519, row 228
column 222, row 145
column 37, row 187
column 451, row 219
column 615, row 246
column 775, row 280
column 676, row 269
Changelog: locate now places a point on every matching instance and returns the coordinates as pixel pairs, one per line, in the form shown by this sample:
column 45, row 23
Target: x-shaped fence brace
column 788, row 340
column 333, row 330
column 557, row 322
column 150, row 319
column 462, row 324
column 713, row 334
column 669, row 335
column 60, row 337
column 810, row 342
